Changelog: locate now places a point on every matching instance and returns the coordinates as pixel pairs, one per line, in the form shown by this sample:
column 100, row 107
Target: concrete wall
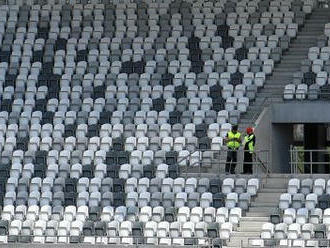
column 275, row 138
column 301, row 112
column 274, row 129
column 282, row 138
column 263, row 132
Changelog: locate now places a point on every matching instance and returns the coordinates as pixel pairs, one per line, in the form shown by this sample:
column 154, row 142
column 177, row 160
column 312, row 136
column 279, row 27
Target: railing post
column 290, row 151
column 186, row 169
column 311, row 161
column 219, row 165
column 268, row 161
column 200, row 162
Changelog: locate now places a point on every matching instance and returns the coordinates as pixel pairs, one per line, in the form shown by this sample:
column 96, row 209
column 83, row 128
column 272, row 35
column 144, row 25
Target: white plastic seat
column 206, row 200
column 316, row 215
column 281, row 231
column 163, row 229
column 311, row 201
column 306, row 186
column 326, row 216
column 319, row 186
column 144, row 199
column 293, row 186
column 302, row 216
column 145, row 214
column 252, row 186
column 307, row 231
column 289, row 216
column 167, row 184
column 231, row 200
column 191, row 185
column 267, row 231
column 158, row 214
column 183, row 214
column 294, row 231
column 228, row 185
column 285, row 201
column 150, row 231
column 226, row 230
column 235, row 215
column 162, row 170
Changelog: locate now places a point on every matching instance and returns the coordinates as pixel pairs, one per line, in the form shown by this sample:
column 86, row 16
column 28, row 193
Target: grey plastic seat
column 193, row 199
column 210, row 117
column 156, row 199
column 313, row 92
column 155, row 185
column 186, row 117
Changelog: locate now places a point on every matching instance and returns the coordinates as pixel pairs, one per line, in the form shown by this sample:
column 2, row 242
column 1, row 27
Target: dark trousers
column 247, row 166
column 231, row 161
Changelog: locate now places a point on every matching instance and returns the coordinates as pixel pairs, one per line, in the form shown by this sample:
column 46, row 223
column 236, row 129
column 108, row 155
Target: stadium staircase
column 272, row 92
column 260, row 210
column 273, row 185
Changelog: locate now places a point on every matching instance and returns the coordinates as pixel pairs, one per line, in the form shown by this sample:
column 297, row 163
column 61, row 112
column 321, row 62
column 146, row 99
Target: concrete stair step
column 303, row 40
column 288, row 69
column 261, row 209
column 293, row 61
column 277, row 77
column 272, row 96
column 258, row 219
column 244, row 234
column 258, row 214
column 264, row 204
column 289, row 63
column 293, row 56
column 303, row 43
column 307, row 35
column 279, row 175
column 276, row 88
column 317, row 27
column 242, row 241
column 296, row 50
column 277, row 84
column 302, row 46
column 278, row 74
column 274, row 187
column 267, row 201
column 251, row 226
column 264, row 194
column 277, row 80
column 292, row 66
column 272, row 190
column 280, row 182
column 313, row 34
column 315, row 21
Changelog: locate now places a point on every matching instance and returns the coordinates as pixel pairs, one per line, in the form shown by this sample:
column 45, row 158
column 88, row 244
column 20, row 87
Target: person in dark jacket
column 249, row 144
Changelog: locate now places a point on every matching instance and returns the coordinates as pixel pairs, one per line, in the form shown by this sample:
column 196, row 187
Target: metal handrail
column 267, row 101
column 256, row 114
column 294, row 161
column 200, row 163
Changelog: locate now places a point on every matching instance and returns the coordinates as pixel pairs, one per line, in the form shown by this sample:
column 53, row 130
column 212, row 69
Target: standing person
column 233, row 141
column 249, row 143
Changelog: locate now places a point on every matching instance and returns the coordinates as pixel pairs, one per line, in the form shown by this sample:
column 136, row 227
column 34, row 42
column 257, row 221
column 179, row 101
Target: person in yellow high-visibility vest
column 233, row 141
column 249, row 144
